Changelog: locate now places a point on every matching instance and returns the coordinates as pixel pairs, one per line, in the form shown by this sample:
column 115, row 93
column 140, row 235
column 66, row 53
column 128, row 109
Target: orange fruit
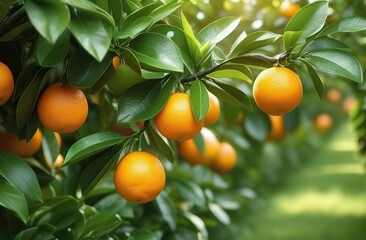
column 225, row 160
column 213, row 113
column 6, row 83
column 139, row 177
column 192, row 154
column 288, row 8
column 176, row 120
column 323, row 122
column 116, row 61
column 334, row 95
column 62, row 108
column 10, row 142
column 277, row 90
column 278, row 130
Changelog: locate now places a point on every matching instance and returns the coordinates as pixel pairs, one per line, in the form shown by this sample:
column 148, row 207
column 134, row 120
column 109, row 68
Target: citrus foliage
column 75, row 43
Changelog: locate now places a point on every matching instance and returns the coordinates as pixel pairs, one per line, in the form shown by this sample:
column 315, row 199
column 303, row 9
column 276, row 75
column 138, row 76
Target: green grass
column 326, row 199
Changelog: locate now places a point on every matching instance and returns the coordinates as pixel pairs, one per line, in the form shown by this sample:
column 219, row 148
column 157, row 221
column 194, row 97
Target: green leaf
column 164, row 11
column 199, row 100
column 4, row 8
column 254, row 41
column 49, row 54
column 335, row 61
column 130, row 29
column 218, row 30
column 167, row 209
column 26, row 76
column 193, row 44
column 348, row 24
column 49, row 18
column 19, row 174
column 99, row 225
column 143, row 234
column 96, row 170
column 318, row 84
column 252, row 61
column 221, row 93
column 17, row 33
column 190, row 191
column 91, row 145
column 93, row 31
column 12, row 198
column 28, row 100
column 60, row 212
column 49, row 146
column 234, row 71
column 241, row 98
column 326, row 43
column 159, row 144
column 198, row 223
column 144, row 100
column 84, row 71
column 257, row 125
column 306, row 22
column 157, row 52
column 200, row 142
column 219, row 213
column 116, row 9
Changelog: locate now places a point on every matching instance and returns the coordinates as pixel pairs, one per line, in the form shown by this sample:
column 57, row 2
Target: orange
column 176, row 120
column 288, row 8
column 6, row 83
column 139, row 177
column 225, row 160
column 62, row 108
column 116, row 61
column 323, row 122
column 190, row 151
column 213, row 113
column 278, row 130
column 277, row 90
column 10, row 142
column 334, row 95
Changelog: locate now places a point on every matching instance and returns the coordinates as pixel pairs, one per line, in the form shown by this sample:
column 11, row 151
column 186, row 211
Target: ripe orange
column 213, row 113
column 176, row 120
column 9, row 142
column 139, row 177
column 277, row 90
column 288, row 8
column 190, row 151
column 116, row 61
column 62, row 108
column 278, row 130
column 6, row 83
column 225, row 160
column 323, row 122
column 334, row 95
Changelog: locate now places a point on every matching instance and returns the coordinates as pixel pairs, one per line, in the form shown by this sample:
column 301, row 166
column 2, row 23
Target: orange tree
column 81, row 46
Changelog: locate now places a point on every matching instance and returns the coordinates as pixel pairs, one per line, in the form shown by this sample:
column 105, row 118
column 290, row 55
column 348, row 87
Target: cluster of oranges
column 140, row 176
column 61, row 108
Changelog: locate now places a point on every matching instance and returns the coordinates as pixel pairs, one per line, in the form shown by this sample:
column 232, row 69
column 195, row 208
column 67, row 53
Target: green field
column 326, row 199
